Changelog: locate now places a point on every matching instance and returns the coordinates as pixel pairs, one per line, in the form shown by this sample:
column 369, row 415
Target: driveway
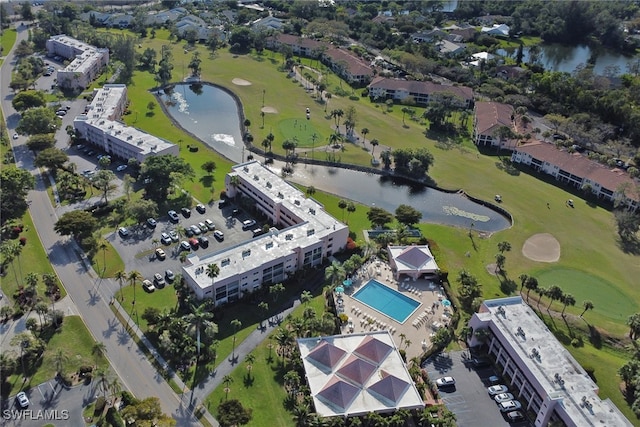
column 469, row 400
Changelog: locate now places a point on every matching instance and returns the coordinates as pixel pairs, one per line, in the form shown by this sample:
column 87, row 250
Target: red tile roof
column 414, row 86
column 355, row 65
column 305, row 42
column 580, row 166
column 492, row 115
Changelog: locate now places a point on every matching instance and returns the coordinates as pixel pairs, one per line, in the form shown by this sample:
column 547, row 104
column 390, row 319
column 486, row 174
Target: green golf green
column 303, row 130
column 608, row 300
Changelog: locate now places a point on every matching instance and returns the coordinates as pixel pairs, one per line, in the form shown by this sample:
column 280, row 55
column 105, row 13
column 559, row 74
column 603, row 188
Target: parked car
column 186, row 212
column 445, row 382
column 185, row 246
column 160, row 254
column 204, row 242
column 165, row 239
column 148, row 286
column 169, row 275
column 194, row 243
column 497, row 389
column 188, row 232
column 196, row 230
column 218, row 235
column 509, row 405
column 91, row 153
column 481, row 362
column 22, row 399
column 173, row 216
column 151, row 222
column 15, row 136
column 174, row 236
column 159, row 280
column 257, row 232
column 235, row 212
column 222, row 203
column 514, row 416
column 201, row 208
column 203, row 227
column 210, row 225
column 503, row 397
column 248, row 223
column 123, row 232
column 121, row 168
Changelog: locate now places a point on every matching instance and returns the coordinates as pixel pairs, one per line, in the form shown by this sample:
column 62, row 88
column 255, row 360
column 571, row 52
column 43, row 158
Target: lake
column 211, row 114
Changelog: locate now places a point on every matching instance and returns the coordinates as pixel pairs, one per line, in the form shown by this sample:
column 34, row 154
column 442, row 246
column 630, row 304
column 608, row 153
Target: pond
column 211, row 114
column 565, row 58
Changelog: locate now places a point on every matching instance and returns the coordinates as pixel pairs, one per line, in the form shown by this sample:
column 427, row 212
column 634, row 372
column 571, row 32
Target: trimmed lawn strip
column 33, row 259
column 76, row 342
column 7, row 40
column 106, row 262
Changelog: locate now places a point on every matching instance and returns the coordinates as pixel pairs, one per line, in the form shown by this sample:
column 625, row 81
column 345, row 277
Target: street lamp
column 263, row 93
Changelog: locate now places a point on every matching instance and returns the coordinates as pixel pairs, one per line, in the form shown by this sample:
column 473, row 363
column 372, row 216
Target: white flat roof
column 106, row 100
column 552, row 366
column 85, row 59
column 356, row 374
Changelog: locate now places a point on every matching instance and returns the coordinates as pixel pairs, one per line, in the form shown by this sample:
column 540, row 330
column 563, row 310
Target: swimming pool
column 387, row 301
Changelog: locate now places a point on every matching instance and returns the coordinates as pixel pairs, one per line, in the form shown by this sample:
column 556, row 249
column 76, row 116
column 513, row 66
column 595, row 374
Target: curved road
column 131, row 365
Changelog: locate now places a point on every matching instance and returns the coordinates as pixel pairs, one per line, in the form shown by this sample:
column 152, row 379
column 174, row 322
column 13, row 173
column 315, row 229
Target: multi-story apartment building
column 546, row 378
column 305, row 236
column 489, row 117
column 423, row 93
column 87, row 61
column 101, row 127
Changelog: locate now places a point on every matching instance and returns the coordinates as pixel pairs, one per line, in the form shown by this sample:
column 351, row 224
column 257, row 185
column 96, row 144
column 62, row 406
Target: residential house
column 500, row 30
column 540, row 372
column 301, row 46
column 101, row 126
column 86, row 63
column 481, row 57
column 350, row 67
column 422, row 92
column 447, row 48
column 428, row 36
column 305, row 237
column 489, row 118
column 162, row 18
column 268, row 23
column 467, row 34
column 608, row 183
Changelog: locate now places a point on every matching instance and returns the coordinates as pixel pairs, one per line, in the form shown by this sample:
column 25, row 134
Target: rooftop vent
column 269, row 245
column 256, row 178
column 246, row 168
column 312, row 211
column 280, row 195
column 296, row 202
column 288, row 237
column 269, row 184
column 311, row 232
column 246, row 253
column 225, row 262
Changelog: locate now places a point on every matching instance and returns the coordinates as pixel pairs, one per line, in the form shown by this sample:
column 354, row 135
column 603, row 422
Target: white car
column 15, row 136
column 210, row 225
column 248, row 223
column 174, row 236
column 148, row 286
column 218, row 235
column 165, row 239
column 121, row 168
column 510, row 405
column 22, row 399
column 497, row 389
column 445, row 382
column 503, row 397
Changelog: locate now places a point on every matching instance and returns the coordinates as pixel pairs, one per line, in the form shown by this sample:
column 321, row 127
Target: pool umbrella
column 339, row 289
column 446, row 303
column 347, row 282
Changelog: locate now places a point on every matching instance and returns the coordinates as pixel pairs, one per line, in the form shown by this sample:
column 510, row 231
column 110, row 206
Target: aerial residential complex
column 307, row 235
column 423, row 93
column 87, row 61
column 101, row 127
column 546, row 378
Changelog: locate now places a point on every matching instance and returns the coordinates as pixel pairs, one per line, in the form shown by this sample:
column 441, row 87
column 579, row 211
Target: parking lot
column 469, row 399
column 138, row 249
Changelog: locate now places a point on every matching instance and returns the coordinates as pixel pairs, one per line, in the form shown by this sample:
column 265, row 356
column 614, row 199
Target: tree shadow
column 629, row 245
column 595, row 338
column 508, row 286
column 207, row 180
column 248, row 380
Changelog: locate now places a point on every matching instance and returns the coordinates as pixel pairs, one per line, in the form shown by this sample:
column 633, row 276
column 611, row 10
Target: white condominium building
column 307, row 235
column 100, row 126
column 87, row 61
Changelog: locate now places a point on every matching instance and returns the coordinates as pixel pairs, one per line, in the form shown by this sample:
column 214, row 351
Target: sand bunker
column 269, row 110
column 542, row 247
column 241, row 82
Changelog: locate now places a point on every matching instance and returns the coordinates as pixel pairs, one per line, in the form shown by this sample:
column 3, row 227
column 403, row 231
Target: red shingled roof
column 491, row 115
column 414, row 86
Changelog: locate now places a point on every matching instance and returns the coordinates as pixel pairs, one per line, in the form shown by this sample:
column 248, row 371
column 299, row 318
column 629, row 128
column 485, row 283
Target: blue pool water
column 387, row 301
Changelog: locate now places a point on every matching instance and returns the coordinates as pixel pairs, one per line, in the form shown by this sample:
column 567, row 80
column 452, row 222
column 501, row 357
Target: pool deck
column 419, row 326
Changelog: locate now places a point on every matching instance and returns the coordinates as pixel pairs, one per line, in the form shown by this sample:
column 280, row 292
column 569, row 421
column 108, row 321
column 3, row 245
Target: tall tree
column 79, row 224
column 201, row 316
column 586, row 305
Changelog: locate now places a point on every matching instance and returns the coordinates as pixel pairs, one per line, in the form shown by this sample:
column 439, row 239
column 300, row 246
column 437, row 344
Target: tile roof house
column 348, row 66
column 466, row 33
column 489, row 117
column 496, row 30
column 611, row 184
column 446, row 47
column 268, row 23
column 354, row 374
column 302, row 46
column 422, row 92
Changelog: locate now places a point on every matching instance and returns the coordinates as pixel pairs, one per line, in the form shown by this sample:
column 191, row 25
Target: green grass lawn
column 106, row 262
column 7, row 41
column 76, row 342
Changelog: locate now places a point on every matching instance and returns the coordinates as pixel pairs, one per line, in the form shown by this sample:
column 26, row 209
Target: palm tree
column 98, row 350
column 541, row 291
column 554, row 293
column 335, row 273
column 114, row 387
column 42, row 309
column 201, row 316
column 264, row 307
column 523, row 279
column 32, row 283
column 276, row 290
column 351, row 208
column 284, row 339
column 133, row 277
column 342, row 204
column 327, row 97
column 236, row 325
column 234, row 181
column 531, row 283
column 504, row 247
column 364, row 133
column 334, row 139
column 227, row 379
column 567, row 299
column 120, row 276
column 374, row 143
column 250, row 360
column 587, row 305
column 305, row 297
column 212, row 272
column 59, row 358
column 103, row 376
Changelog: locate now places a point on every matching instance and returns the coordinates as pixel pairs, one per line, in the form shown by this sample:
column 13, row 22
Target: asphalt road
column 135, row 372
